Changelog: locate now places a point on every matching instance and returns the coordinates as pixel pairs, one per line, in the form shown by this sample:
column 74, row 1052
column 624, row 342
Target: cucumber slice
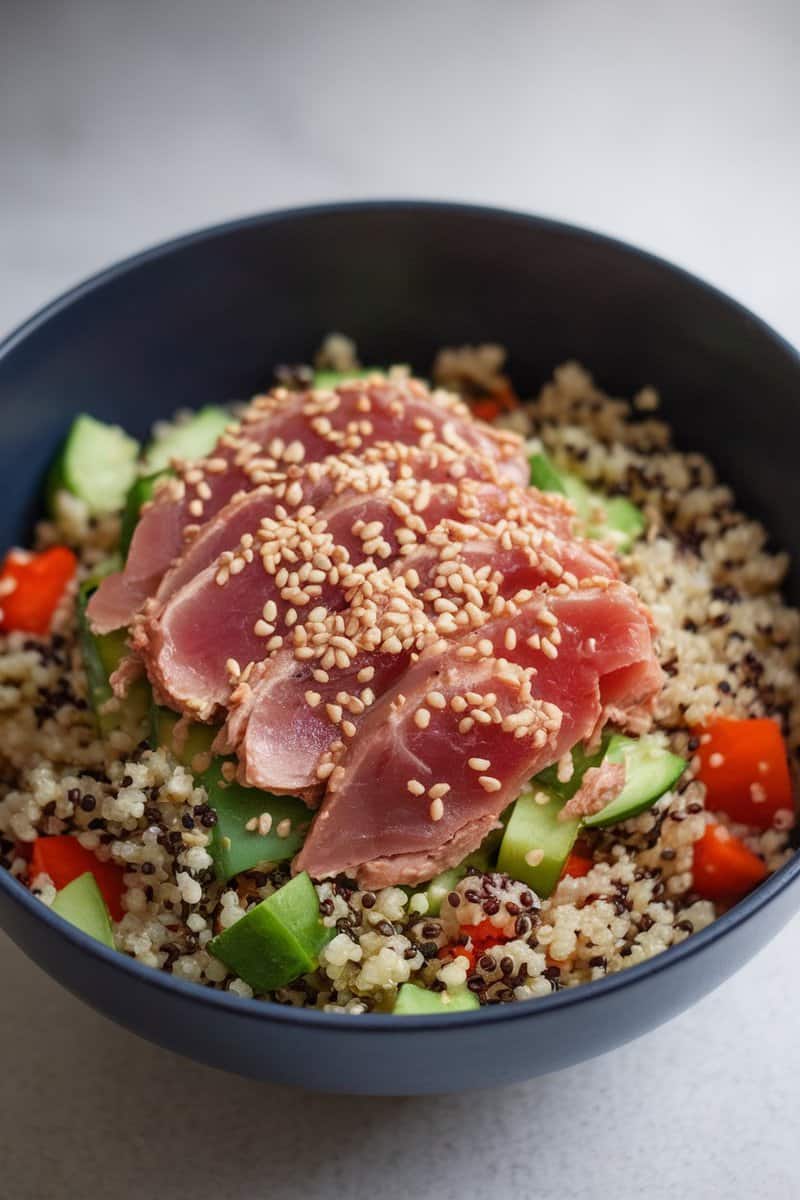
column 190, row 439
column 276, row 941
column 81, row 903
column 97, row 462
column 196, row 741
column 600, row 516
column 413, row 1000
column 534, row 829
column 101, row 656
column 328, row 380
column 650, row 771
column 233, row 846
column 483, row 858
column 140, row 491
column 544, row 475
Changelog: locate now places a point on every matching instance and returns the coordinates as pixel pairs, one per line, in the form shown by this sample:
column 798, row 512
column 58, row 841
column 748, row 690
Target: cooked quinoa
column 726, row 640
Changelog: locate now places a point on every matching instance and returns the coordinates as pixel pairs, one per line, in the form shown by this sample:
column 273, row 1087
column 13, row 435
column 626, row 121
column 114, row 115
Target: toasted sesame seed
column 415, row 787
column 422, row 718
column 489, row 783
column 478, row 764
column 438, row 790
column 436, row 700
column 436, row 810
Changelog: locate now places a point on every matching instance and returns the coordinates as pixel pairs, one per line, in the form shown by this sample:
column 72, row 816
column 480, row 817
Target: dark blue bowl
column 206, row 318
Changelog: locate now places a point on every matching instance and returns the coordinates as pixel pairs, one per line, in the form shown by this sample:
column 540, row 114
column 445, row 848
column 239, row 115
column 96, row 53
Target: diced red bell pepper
column 31, row 586
column 63, row 858
column 744, row 767
column 724, row 869
column 577, row 865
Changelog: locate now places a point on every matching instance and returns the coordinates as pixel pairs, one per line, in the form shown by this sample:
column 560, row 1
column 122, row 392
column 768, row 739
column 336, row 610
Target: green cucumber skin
column 661, row 771
column 81, row 903
column 598, row 514
column 101, row 655
column 413, row 1000
column 544, row 475
column 233, row 847
column 278, row 940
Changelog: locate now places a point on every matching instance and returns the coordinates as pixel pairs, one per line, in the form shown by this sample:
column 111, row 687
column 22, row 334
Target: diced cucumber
column 233, row 846
column 536, row 844
column 581, row 761
column 141, row 490
column 278, row 940
column 81, row 903
column 483, row 858
column 101, row 656
column 193, row 438
column 600, row 516
column 97, row 462
column 332, row 379
column 195, row 740
column 650, row 771
column 413, row 1000
column 544, row 475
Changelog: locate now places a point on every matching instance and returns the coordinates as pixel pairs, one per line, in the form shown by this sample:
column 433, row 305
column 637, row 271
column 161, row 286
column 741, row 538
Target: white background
column 674, row 126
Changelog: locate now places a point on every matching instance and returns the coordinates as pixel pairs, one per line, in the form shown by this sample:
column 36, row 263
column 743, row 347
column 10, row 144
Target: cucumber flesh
column 81, row 903
column 190, row 439
column 544, row 475
column 277, row 940
column 140, row 491
column 600, row 516
column 97, row 463
column 194, row 741
column 413, row 1000
column 534, row 829
column 650, row 771
column 101, row 656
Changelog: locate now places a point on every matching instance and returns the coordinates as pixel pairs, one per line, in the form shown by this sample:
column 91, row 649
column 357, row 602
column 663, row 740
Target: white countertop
column 122, row 125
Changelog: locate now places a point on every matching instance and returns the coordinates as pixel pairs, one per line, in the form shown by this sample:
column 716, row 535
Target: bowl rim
column 269, row 1010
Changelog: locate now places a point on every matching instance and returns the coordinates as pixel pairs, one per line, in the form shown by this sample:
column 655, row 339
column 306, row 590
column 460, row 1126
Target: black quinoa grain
column 368, row 899
column 430, row 930
column 685, row 926
column 127, row 781
column 646, row 922
column 598, row 960
column 209, row 819
column 453, row 899
column 475, row 983
column 187, row 821
column 428, row 949
column 147, row 868
column 491, row 906
column 88, row 802
column 522, row 926
column 668, row 854
column 526, row 899
column 506, row 965
column 486, row 962
column 552, row 973
column 326, row 906
column 97, row 823
column 471, row 895
column 74, row 795
column 386, row 928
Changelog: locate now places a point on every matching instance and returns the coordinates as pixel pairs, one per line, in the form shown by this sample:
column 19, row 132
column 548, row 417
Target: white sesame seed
column 436, row 810
column 284, row 828
column 438, row 790
column 436, row 700
column 478, row 764
column 716, row 760
column 422, row 718
column 313, row 699
column 489, row 783
column 415, row 787
column 534, row 857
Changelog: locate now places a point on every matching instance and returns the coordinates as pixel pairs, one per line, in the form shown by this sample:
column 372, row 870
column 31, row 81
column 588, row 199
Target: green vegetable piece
column 536, row 844
column 186, row 746
column 233, row 846
column 276, row 941
column 190, row 439
column 81, row 903
column 650, row 771
column 544, row 475
column 624, row 519
column 101, row 656
column 413, row 1000
column 438, row 888
column 97, row 462
column 600, row 516
column 140, row 492
column 332, row 379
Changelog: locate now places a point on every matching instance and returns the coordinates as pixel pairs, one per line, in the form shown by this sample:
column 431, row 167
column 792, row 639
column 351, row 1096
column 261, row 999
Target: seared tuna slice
column 277, row 431
column 441, row 755
column 284, row 578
